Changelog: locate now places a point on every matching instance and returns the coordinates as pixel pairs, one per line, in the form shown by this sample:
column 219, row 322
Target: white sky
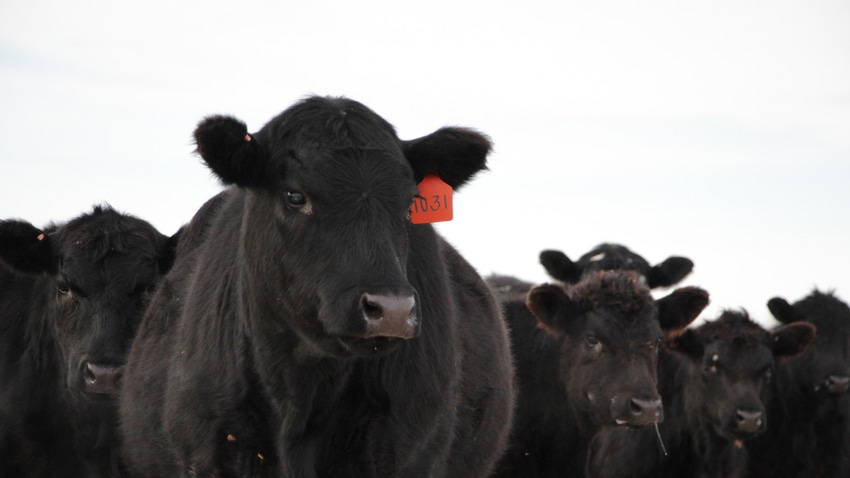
column 715, row 130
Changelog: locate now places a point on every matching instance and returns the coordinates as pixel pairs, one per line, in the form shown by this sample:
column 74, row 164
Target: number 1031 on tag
column 433, row 203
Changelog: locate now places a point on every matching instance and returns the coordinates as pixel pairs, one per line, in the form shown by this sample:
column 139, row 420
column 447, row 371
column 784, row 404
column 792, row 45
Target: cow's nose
column 101, row 379
column 389, row 316
column 750, row 422
column 838, row 384
column 646, row 411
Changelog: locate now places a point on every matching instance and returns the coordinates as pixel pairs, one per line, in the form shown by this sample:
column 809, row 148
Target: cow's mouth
column 370, row 346
column 633, row 426
column 738, row 436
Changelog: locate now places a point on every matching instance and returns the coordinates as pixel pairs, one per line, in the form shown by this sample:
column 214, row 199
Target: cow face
column 326, row 229
column 609, row 328
column 97, row 271
column 729, row 363
column 824, row 369
column 615, row 257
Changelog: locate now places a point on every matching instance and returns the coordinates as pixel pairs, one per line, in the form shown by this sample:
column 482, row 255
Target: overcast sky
column 715, row 130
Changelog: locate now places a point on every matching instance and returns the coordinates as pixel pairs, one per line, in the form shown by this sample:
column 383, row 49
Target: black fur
column 709, row 377
column 253, row 359
column 443, row 153
column 809, row 435
column 228, row 150
column 26, row 248
column 582, row 353
column 72, row 297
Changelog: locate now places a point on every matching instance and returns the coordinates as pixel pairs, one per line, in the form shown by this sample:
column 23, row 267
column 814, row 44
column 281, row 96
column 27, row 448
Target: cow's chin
column 92, row 399
column 369, row 347
column 737, row 436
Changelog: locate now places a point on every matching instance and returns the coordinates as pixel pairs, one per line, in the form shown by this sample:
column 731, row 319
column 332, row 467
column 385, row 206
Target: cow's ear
column 560, row 267
column 552, row 307
column 792, row 339
column 669, row 272
column 782, row 310
column 25, row 248
column 169, row 251
column 231, row 153
column 688, row 343
column 678, row 309
column 454, row 154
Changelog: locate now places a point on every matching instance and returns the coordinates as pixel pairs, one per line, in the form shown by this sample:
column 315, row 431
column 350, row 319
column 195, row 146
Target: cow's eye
column 64, row 289
column 295, row 198
column 591, row 340
column 767, row 375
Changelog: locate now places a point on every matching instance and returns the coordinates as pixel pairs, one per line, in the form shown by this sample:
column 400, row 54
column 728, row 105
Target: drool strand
column 660, row 441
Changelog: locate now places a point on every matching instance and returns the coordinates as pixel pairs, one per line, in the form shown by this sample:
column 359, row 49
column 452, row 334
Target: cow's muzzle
column 643, row 412
column 749, row 422
column 101, row 379
column 389, row 315
column 837, row 384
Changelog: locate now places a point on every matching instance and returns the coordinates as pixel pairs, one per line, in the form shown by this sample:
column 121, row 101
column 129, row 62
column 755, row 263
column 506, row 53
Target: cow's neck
column 304, row 395
column 718, row 457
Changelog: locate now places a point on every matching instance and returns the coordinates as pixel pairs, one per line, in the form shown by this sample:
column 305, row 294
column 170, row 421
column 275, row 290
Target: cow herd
column 300, row 325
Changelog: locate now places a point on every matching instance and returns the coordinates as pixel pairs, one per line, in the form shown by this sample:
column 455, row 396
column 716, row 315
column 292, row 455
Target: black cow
column 308, row 328
column 713, row 380
column 71, row 297
column 586, row 359
column 615, row 257
column 810, row 410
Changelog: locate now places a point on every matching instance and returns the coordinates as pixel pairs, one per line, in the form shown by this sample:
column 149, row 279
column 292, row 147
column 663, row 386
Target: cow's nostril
column 90, row 376
column 838, row 384
column 371, row 310
column 116, row 378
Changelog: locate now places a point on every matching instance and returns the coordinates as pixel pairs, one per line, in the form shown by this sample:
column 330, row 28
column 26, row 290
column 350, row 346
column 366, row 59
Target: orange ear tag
column 433, row 203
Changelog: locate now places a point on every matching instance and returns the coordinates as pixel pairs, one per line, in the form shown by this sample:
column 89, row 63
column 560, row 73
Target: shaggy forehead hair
column 618, row 291
column 734, row 326
column 314, row 121
column 825, row 310
column 106, row 231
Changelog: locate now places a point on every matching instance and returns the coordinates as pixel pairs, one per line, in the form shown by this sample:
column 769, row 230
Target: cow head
column 609, row 328
column 96, row 271
column 824, row 369
column 729, row 362
column 615, row 257
column 326, row 230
